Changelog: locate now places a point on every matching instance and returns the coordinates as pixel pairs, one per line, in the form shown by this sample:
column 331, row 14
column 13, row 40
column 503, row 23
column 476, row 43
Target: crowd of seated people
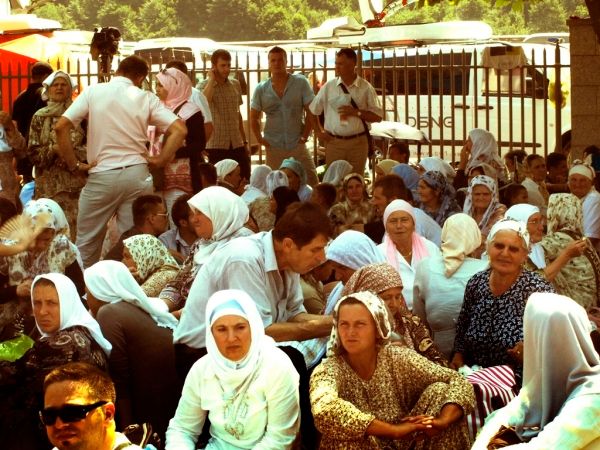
column 264, row 312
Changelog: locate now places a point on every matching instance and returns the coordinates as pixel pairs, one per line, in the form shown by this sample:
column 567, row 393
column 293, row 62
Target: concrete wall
column 585, row 86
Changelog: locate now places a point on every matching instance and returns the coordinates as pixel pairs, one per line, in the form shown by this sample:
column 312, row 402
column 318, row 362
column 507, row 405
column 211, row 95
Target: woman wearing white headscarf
column 219, row 217
column 68, row 334
column 483, row 148
column 257, row 188
column 532, row 217
column 497, row 296
column 52, row 179
column 336, row 172
column 559, row 404
column 440, row 280
column 140, row 330
column 483, row 204
column 229, row 175
column 245, row 385
column 369, row 394
column 402, row 246
column 435, row 163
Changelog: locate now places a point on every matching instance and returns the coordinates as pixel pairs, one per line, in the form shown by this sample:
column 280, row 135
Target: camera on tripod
column 105, row 42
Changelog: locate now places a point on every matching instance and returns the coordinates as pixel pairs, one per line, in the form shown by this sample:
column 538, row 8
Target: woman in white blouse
column 245, row 385
column 402, row 246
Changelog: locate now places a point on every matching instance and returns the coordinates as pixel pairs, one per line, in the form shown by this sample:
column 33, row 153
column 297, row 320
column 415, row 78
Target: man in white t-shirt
column 118, row 113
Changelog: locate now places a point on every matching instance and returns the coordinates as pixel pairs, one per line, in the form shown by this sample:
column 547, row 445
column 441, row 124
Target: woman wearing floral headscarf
column 480, row 147
column 354, row 210
column 181, row 176
column 52, row 179
column 150, row 262
column 489, row 330
column 580, row 277
column 407, row 329
column 440, row 280
column 244, row 385
column 52, row 251
column 483, row 205
column 437, row 197
column 369, row 395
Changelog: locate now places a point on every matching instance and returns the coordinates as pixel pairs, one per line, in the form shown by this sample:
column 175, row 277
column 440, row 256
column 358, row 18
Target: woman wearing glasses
column 532, row 217
column 68, row 334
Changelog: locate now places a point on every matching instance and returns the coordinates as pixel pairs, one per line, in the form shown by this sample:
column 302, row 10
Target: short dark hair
column 393, row 187
column 207, row 172
column 40, row 70
column 278, row 49
column 328, row 192
column 509, row 192
column 7, row 209
column 143, row 206
column 133, row 66
column 219, row 54
column 401, row 146
column 519, row 155
column 303, row 222
column 554, row 159
column 284, row 196
column 348, row 53
column 177, row 64
column 180, row 209
column 531, row 158
column 97, row 383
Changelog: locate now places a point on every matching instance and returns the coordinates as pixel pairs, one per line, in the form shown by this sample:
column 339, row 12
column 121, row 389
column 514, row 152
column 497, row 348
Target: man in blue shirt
column 284, row 98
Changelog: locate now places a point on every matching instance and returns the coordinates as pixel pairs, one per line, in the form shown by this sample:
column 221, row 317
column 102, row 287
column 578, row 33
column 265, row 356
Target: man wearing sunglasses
column 79, row 410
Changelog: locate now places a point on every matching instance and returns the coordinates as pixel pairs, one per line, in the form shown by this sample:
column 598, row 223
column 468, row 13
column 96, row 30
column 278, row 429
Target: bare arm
column 208, row 130
column 65, row 146
column 209, row 89
column 255, row 126
column 301, row 327
column 574, row 249
column 309, row 123
column 241, row 126
column 174, row 138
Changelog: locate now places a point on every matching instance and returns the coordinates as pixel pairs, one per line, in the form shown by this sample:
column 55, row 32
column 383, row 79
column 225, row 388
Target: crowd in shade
column 153, row 278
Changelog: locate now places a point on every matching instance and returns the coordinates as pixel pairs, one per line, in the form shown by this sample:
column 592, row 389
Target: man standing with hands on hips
column 350, row 103
column 283, row 98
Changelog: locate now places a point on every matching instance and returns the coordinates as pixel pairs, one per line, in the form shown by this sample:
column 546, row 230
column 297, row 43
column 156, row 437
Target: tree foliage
column 244, row 20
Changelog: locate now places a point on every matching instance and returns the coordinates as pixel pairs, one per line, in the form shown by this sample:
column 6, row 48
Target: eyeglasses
column 68, row 413
column 162, row 214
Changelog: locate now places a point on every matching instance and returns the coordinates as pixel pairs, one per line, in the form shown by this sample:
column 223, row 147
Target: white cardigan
column 273, row 414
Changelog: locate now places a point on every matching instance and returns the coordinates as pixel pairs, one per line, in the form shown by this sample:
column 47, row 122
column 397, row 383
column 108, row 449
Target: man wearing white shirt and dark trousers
column 350, row 103
column 119, row 113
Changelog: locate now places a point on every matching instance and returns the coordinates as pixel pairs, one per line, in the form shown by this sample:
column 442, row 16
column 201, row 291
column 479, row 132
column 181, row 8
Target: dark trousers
column 237, row 154
column 308, row 432
column 185, row 357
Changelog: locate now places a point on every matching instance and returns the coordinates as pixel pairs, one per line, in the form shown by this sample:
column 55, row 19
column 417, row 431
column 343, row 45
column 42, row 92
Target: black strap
column 353, row 103
column 123, row 445
column 176, row 110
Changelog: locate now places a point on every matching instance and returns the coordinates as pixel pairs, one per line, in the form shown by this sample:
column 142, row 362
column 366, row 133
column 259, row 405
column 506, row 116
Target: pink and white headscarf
column 179, row 88
column 418, row 243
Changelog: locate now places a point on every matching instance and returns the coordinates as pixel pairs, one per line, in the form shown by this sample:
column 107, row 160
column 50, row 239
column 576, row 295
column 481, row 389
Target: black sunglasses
column 68, row 413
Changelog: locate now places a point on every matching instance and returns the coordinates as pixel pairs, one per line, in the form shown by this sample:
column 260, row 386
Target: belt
column 124, row 167
column 352, row 136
